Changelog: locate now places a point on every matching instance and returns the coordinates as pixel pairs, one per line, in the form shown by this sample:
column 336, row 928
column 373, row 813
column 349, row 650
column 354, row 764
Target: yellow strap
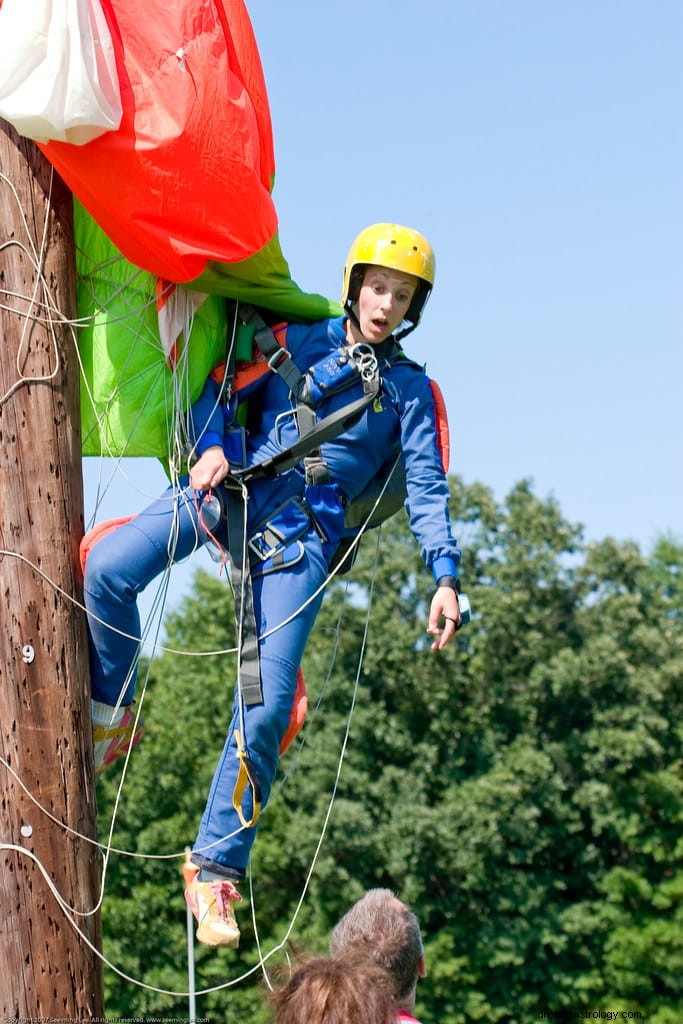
column 246, row 776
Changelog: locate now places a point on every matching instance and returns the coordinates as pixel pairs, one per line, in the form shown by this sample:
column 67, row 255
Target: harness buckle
column 316, row 470
column 281, row 363
column 278, row 359
column 265, row 543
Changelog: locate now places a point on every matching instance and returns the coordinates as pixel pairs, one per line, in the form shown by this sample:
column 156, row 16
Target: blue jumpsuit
column 121, row 564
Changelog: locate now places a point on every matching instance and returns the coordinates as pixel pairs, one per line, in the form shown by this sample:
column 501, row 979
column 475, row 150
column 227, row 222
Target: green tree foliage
column 522, row 789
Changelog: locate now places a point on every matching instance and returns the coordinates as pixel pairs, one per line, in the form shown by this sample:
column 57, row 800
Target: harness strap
column 246, row 776
column 277, row 356
column 325, row 430
column 312, row 434
column 364, row 362
column 249, row 666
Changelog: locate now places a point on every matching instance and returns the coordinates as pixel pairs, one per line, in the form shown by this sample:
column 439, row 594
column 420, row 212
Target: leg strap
column 246, row 776
column 240, row 576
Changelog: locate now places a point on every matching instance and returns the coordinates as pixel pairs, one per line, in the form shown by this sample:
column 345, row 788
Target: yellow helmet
column 396, row 248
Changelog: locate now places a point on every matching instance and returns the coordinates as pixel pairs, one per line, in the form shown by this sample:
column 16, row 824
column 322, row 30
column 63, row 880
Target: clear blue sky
column 539, row 146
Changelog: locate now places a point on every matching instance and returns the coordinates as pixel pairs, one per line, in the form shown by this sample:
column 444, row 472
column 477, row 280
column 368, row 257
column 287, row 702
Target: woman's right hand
column 209, row 469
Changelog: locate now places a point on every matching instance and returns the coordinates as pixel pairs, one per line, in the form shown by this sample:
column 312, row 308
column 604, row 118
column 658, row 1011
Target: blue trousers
column 123, row 563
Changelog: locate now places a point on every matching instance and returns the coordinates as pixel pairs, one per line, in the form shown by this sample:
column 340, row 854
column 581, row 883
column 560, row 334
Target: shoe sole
column 207, row 935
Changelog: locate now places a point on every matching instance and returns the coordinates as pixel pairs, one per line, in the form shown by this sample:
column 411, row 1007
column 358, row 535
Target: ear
column 421, row 967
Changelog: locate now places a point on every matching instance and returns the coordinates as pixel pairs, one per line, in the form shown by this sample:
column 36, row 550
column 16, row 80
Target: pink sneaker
column 114, row 741
column 212, row 905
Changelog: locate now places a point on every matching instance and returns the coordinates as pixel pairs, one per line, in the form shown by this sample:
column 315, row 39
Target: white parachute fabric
column 58, row 77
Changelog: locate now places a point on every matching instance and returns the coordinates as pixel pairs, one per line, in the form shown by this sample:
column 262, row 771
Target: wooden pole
column 46, row 969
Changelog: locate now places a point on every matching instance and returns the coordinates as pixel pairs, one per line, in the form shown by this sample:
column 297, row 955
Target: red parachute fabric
column 97, row 533
column 187, row 177
column 297, row 716
column 442, row 432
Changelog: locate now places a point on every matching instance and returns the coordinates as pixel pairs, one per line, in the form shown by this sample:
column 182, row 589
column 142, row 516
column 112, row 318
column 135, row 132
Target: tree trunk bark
column 47, row 798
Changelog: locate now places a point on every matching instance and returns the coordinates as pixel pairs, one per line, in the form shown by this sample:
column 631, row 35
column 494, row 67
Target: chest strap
column 323, row 430
column 336, row 372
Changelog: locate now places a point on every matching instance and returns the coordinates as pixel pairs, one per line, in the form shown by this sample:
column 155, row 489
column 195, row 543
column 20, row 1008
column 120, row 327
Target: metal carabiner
column 364, row 359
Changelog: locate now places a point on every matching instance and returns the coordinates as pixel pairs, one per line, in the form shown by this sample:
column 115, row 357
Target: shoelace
column 225, row 893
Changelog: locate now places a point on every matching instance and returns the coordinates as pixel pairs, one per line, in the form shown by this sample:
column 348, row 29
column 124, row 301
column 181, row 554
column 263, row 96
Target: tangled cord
column 41, row 308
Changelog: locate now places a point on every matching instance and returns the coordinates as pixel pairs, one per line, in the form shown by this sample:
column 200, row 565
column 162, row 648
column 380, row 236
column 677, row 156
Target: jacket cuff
column 209, row 440
column 444, row 566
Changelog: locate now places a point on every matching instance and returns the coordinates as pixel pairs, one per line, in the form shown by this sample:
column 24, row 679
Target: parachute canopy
column 188, row 174
column 179, row 194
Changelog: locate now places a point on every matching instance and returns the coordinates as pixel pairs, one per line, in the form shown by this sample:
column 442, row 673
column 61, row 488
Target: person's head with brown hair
column 334, row 990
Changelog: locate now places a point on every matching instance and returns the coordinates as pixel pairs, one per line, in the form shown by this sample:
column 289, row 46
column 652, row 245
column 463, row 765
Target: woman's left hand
column 444, row 606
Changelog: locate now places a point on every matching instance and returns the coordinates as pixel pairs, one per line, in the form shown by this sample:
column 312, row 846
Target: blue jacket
column 404, row 412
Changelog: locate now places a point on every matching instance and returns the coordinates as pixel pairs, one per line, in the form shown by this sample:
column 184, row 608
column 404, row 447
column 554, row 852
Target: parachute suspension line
column 54, row 316
column 247, row 640
column 293, row 765
column 91, row 946
column 244, row 569
column 120, row 632
column 246, row 776
column 47, row 313
column 190, row 653
column 254, row 924
column 102, row 847
column 179, row 435
column 179, row 432
column 88, row 269
column 107, row 848
column 36, row 257
column 178, row 383
column 108, row 963
column 183, row 401
column 51, row 316
column 179, row 400
column 154, row 619
column 340, row 762
column 337, row 569
column 94, row 283
column 311, row 717
column 283, row 943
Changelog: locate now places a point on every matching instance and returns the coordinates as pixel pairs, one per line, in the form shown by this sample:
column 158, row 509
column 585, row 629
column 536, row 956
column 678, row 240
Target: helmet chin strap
column 351, row 313
column 399, row 335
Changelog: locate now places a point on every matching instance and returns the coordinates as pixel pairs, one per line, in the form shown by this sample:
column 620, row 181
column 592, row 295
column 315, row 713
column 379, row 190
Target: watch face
column 465, row 608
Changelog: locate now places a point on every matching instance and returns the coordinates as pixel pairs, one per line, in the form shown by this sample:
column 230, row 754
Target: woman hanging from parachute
column 176, row 168
column 336, row 396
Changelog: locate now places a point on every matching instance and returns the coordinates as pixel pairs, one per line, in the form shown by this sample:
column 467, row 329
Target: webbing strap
column 249, row 672
column 312, row 434
column 278, row 358
column 246, row 776
column 325, row 430
column 249, row 666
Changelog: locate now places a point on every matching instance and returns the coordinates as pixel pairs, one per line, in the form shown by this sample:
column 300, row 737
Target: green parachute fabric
column 138, row 368
column 179, row 195
column 129, row 390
